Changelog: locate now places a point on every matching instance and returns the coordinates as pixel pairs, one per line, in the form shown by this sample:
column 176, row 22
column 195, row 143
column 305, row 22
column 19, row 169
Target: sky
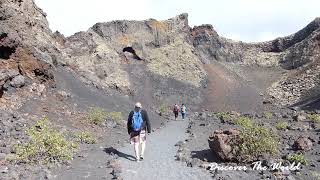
column 245, row 20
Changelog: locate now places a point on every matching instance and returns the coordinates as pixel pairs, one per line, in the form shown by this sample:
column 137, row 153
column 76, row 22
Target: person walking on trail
column 176, row 110
column 183, row 111
column 138, row 123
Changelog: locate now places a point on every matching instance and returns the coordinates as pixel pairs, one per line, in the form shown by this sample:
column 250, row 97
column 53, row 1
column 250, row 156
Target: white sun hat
column 138, row 105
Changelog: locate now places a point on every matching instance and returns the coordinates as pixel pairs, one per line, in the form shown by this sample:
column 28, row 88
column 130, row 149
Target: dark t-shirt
column 145, row 125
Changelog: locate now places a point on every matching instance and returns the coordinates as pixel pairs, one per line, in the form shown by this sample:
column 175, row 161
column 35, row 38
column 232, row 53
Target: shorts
column 138, row 136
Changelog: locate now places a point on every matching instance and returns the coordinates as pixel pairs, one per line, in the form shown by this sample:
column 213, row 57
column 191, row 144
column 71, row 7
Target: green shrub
column 268, row 115
column 225, row 116
column 255, row 141
column 243, row 121
column 97, row 115
column 282, row 125
column 46, row 145
column 163, row 109
column 297, row 158
column 115, row 116
column 314, row 118
column 85, row 137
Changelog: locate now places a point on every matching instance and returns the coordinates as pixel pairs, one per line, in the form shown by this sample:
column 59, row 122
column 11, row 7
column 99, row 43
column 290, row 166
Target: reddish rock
column 303, row 143
column 220, row 143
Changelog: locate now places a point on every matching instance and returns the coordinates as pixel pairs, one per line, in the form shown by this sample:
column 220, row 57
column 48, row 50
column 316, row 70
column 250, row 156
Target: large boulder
column 220, row 142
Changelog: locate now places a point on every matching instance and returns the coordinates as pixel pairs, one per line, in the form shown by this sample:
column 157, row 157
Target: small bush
column 97, row 115
column 46, row 145
column 282, row 125
column 115, row 116
column 243, row 121
column 163, row 109
column 314, row 118
column 268, row 115
column 255, row 140
column 85, row 137
column 297, row 158
column 225, row 116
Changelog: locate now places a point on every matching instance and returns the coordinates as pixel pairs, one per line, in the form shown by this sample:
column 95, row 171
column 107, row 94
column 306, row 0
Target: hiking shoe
column 141, row 158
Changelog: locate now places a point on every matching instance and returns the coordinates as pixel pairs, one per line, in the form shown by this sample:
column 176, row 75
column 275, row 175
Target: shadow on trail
column 113, row 151
column 205, row 155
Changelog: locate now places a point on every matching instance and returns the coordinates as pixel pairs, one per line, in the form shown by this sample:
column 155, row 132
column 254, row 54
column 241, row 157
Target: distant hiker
column 176, row 110
column 138, row 123
column 183, row 111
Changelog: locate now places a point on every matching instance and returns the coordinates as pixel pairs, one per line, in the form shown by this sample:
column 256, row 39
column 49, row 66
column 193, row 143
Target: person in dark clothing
column 138, row 124
column 176, row 110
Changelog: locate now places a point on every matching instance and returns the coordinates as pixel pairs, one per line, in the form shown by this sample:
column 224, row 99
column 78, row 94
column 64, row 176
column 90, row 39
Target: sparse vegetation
column 255, row 140
column 314, row 118
column 243, row 121
column 85, row 137
column 46, row 145
column 163, row 109
column 97, row 115
column 225, row 116
column 268, row 115
column 297, row 158
column 115, row 116
column 282, row 125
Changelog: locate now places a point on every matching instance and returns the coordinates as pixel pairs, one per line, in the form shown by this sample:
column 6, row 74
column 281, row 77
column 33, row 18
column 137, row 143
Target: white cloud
column 247, row 20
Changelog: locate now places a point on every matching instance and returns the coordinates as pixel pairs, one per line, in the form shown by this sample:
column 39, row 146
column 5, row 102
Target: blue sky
column 245, row 20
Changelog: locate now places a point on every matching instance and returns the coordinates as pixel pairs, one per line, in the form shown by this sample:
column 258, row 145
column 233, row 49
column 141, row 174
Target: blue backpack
column 137, row 121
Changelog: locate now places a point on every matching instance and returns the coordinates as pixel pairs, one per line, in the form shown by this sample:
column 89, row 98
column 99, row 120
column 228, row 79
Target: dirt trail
column 226, row 91
column 159, row 160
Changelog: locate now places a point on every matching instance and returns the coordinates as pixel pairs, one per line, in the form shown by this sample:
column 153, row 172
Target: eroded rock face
column 170, row 49
column 28, row 50
column 24, row 20
column 101, row 53
column 220, row 142
column 173, row 50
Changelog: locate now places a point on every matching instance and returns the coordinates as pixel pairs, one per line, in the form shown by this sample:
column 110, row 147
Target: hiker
column 176, row 110
column 183, row 111
column 138, row 123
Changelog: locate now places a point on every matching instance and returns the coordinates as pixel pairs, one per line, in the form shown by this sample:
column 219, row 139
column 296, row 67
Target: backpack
column 183, row 109
column 176, row 109
column 137, row 121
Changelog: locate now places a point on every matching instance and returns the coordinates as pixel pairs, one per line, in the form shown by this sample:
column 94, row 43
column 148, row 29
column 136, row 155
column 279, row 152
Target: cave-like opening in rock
column 1, row 91
column 132, row 51
column 5, row 52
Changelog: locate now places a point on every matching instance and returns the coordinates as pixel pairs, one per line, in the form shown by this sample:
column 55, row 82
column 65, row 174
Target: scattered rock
column 202, row 116
column 4, row 169
column 194, row 162
column 303, row 143
column 18, row 81
column 299, row 117
column 63, row 94
column 180, row 143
